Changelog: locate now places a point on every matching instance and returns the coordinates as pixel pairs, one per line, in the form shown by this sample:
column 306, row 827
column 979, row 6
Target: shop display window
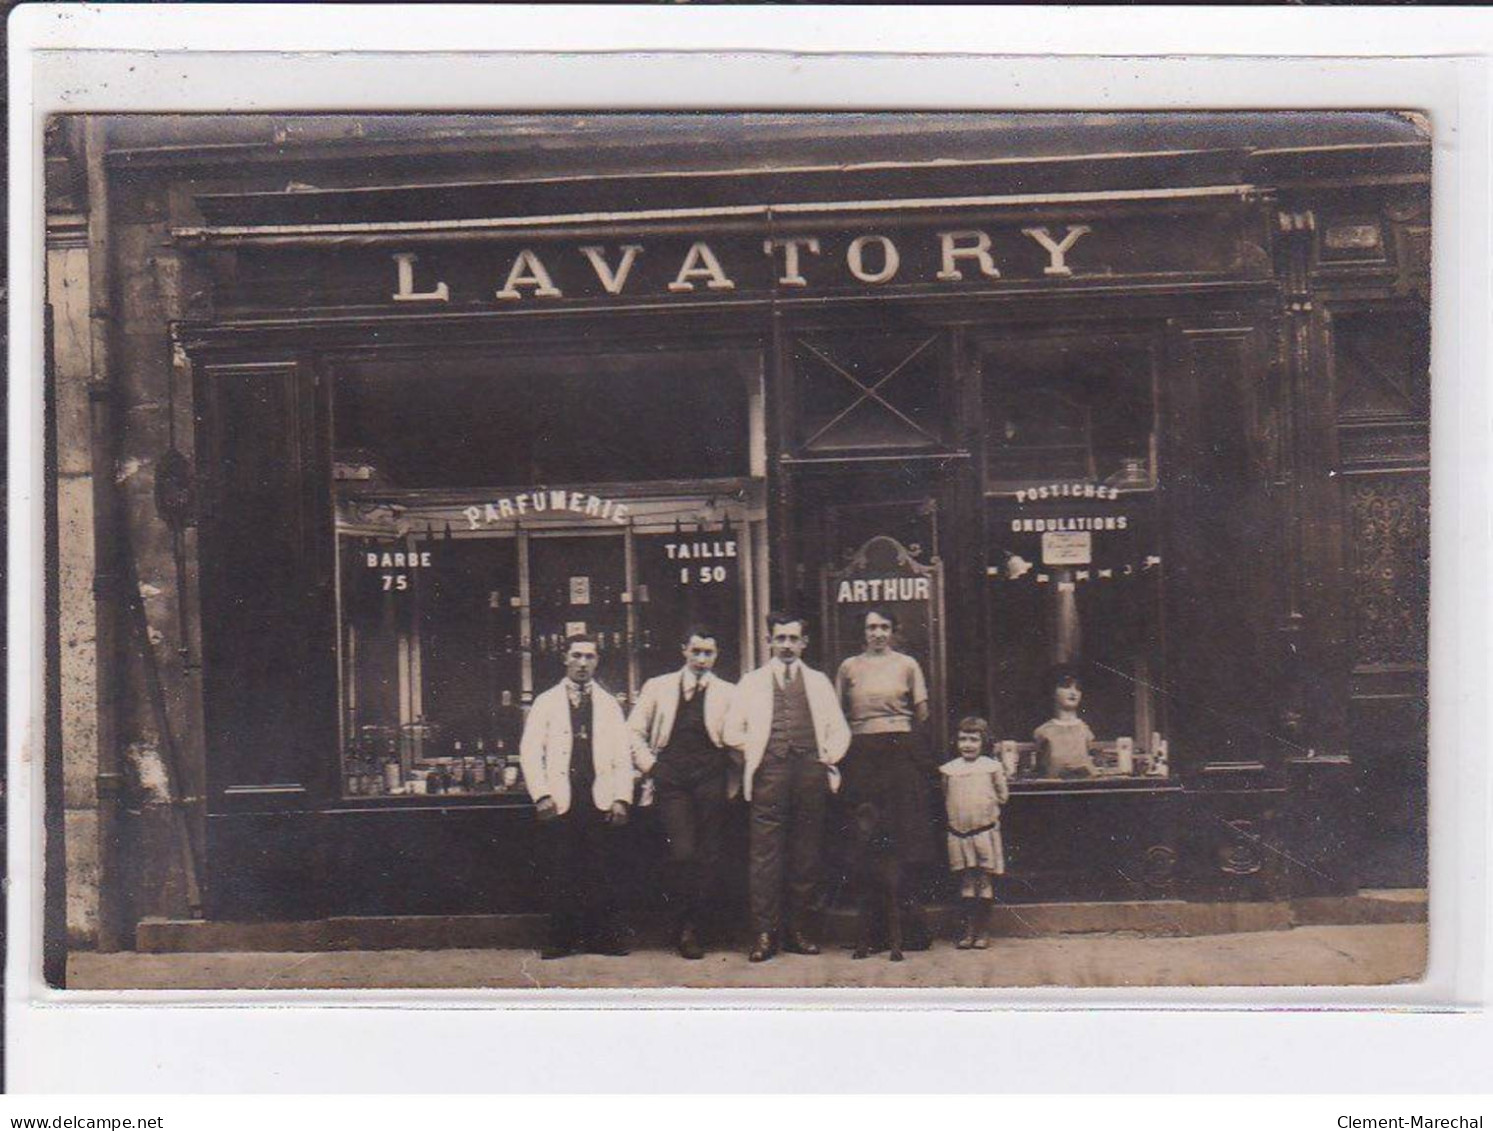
column 1074, row 560
column 464, row 561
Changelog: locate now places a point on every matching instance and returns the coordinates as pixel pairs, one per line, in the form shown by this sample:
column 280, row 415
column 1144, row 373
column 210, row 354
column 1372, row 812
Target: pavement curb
column 1162, row 918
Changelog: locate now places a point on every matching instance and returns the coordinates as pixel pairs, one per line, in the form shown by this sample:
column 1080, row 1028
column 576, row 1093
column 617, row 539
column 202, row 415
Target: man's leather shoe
column 689, row 945
column 762, row 949
column 796, row 943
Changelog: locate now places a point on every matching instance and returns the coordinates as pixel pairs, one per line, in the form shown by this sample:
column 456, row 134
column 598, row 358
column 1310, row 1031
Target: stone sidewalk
column 1316, row 955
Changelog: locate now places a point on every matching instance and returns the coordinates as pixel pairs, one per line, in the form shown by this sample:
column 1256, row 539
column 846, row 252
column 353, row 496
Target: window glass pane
column 1070, row 409
column 595, row 512
column 868, row 390
column 579, row 420
column 1074, row 559
column 431, row 665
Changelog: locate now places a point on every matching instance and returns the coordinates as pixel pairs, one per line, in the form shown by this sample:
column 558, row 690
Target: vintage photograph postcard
column 796, row 550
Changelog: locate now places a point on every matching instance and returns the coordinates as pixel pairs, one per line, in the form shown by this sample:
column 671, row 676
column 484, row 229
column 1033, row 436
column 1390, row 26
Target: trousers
column 693, row 814
column 579, row 857
column 789, row 792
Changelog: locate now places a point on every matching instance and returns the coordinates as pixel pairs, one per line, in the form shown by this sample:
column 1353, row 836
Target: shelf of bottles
column 433, row 675
column 1108, row 760
column 417, row 760
column 597, row 606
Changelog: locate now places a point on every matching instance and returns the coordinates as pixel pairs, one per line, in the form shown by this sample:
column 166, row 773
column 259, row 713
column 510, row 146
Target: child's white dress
column 973, row 793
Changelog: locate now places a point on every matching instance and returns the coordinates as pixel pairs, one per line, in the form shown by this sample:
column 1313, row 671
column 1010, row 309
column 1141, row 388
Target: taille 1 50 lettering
column 701, row 563
column 871, row 259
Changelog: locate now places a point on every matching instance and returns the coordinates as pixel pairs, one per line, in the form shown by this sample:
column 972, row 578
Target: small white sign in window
column 1064, row 548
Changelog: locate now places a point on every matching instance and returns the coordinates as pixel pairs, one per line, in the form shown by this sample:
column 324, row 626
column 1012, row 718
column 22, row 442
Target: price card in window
column 580, row 590
column 1064, row 548
column 575, row 628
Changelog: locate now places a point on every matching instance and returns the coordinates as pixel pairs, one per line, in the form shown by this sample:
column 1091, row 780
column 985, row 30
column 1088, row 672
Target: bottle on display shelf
column 1125, row 755
column 481, row 782
column 1010, row 757
column 512, row 770
column 392, row 776
column 495, row 764
column 1160, row 766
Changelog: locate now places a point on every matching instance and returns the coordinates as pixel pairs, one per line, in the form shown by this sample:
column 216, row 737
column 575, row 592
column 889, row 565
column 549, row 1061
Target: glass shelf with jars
column 418, row 760
column 1111, row 761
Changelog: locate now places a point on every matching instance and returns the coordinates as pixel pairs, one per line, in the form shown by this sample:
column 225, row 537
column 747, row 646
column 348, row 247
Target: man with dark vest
column 678, row 722
column 786, row 721
column 577, row 757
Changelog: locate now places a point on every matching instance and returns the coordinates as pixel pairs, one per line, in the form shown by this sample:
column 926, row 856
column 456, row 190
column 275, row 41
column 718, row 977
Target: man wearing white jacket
column 786, row 720
column 678, row 720
column 577, row 757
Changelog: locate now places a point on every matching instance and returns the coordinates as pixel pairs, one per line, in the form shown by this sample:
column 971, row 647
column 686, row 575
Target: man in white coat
column 679, row 719
column 577, row 756
column 786, row 720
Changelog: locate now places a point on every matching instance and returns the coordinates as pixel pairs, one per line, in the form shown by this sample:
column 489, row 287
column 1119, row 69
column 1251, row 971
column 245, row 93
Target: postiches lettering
column 860, row 591
column 966, row 253
column 1067, row 491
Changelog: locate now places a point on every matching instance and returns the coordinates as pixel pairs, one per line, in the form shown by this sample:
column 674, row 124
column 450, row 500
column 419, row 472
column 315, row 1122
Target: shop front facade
column 382, row 431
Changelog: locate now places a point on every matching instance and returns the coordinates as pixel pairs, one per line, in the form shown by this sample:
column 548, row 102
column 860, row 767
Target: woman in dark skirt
column 885, row 698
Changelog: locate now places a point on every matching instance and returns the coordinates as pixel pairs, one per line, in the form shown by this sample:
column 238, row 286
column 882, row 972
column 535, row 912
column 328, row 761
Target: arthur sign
column 885, row 575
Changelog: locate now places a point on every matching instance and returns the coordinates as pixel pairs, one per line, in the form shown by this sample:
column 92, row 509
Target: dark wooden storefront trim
column 1218, row 831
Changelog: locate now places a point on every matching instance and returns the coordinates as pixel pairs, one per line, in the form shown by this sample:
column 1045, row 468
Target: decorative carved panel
column 1240, row 853
column 1389, row 520
column 1388, row 443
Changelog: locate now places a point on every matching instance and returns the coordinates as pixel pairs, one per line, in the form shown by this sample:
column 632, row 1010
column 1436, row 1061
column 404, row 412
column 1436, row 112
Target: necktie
column 583, row 705
column 790, row 670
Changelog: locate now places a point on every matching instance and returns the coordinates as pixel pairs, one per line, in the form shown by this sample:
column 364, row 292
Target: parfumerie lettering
column 871, row 259
column 533, row 503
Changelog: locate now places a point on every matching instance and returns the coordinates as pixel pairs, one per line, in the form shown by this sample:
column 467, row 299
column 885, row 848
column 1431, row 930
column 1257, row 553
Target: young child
column 974, row 787
column 1063, row 740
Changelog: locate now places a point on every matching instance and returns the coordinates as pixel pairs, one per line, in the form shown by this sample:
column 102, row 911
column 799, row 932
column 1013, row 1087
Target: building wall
column 160, row 727
column 129, row 850
column 72, row 353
